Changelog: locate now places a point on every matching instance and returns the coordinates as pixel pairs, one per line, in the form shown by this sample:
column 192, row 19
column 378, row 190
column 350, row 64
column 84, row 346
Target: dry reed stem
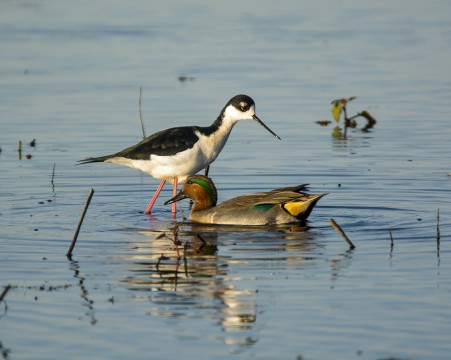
column 74, row 240
column 438, row 225
column 53, row 177
column 391, row 239
column 438, row 232
column 4, row 292
column 53, row 173
column 342, row 233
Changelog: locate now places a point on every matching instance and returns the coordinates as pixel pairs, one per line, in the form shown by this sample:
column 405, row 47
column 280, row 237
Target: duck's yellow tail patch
column 302, row 206
column 295, row 208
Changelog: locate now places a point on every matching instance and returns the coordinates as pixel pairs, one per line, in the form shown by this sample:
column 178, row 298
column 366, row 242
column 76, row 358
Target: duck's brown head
column 200, row 189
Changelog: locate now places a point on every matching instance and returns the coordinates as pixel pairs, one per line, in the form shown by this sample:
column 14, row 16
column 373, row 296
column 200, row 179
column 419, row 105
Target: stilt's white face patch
column 233, row 114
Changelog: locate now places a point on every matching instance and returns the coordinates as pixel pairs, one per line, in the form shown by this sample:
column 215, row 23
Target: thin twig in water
column 178, row 252
column 4, row 292
column 185, row 246
column 159, row 260
column 183, row 214
column 175, row 240
column 53, row 176
column 19, row 149
column 185, row 260
column 438, row 225
column 391, row 240
column 140, row 112
column 438, row 232
column 342, row 233
column 74, row 240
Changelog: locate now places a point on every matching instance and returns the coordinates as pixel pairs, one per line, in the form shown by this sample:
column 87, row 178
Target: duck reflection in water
column 184, row 277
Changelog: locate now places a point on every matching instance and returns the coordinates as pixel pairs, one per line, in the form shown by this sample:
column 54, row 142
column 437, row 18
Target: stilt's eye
column 243, row 105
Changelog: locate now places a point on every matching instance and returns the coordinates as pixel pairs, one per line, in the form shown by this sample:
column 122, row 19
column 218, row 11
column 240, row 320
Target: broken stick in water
column 391, row 240
column 342, row 233
column 74, row 240
column 53, row 177
column 438, row 225
column 4, row 292
column 438, row 232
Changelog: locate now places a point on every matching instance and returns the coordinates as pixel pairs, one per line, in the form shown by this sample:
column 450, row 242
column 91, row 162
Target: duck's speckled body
column 280, row 206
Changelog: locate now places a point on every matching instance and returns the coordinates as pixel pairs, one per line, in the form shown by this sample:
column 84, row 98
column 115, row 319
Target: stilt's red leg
column 174, row 193
column 154, row 198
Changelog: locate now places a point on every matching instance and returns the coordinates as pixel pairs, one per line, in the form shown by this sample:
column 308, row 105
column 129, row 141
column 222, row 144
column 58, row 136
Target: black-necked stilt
column 176, row 153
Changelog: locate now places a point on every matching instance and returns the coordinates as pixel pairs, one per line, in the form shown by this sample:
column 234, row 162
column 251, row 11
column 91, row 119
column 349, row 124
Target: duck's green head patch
column 207, row 185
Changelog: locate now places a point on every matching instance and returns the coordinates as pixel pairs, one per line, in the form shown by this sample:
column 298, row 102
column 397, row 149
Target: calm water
column 70, row 77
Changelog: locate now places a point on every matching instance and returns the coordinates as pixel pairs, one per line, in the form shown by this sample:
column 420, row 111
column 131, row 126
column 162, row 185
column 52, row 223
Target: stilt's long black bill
column 255, row 117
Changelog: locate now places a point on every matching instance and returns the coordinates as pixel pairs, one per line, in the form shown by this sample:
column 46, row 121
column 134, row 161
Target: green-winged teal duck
column 280, row 206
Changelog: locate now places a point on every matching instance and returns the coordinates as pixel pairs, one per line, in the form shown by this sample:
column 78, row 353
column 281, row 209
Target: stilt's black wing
column 167, row 142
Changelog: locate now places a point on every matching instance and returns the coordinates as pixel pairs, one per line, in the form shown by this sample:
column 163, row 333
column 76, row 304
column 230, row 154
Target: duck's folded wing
column 280, row 197
column 298, row 205
column 275, row 196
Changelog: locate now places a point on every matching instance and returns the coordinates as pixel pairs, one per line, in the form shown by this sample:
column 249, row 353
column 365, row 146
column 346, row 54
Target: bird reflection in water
column 184, row 275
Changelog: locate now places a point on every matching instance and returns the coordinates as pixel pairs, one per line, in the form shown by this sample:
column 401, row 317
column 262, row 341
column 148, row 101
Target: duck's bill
column 255, row 117
column 178, row 197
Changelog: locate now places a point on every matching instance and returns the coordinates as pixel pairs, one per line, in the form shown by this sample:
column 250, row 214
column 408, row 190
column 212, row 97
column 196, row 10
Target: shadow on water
column 197, row 273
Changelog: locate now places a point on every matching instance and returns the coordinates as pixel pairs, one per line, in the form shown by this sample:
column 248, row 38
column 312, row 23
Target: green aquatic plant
column 339, row 107
column 339, row 111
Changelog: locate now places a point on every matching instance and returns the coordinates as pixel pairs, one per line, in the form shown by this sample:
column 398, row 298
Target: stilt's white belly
column 182, row 164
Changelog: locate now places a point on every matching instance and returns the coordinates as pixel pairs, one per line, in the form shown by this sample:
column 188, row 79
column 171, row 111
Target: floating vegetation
column 323, row 122
column 28, row 156
column 183, row 78
column 339, row 112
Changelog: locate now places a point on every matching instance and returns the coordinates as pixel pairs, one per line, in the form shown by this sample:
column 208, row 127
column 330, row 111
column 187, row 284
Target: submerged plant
column 339, row 108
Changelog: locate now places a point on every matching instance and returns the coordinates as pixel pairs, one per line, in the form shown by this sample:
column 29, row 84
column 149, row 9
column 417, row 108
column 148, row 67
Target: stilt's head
column 242, row 107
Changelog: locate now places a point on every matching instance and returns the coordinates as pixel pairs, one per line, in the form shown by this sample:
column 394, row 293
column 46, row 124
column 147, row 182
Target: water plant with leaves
column 339, row 108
